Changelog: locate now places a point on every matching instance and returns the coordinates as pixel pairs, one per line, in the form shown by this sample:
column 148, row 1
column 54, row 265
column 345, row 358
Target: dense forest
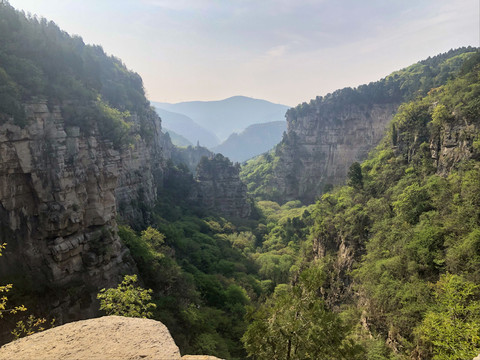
column 385, row 266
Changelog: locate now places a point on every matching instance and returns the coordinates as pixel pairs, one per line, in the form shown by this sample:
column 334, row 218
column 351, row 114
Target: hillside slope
column 401, row 240
column 80, row 148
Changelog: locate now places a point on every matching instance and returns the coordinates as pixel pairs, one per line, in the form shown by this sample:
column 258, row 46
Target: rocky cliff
column 320, row 147
column 219, row 188
column 141, row 171
column 456, row 142
column 59, row 194
column 57, row 211
column 325, row 136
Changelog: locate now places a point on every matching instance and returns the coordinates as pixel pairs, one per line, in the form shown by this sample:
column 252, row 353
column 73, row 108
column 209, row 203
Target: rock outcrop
column 105, row 338
column 454, row 144
column 57, row 211
column 59, row 193
column 319, row 147
column 219, row 188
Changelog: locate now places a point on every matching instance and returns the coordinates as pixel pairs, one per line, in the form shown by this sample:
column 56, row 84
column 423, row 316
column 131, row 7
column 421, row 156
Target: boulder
column 109, row 337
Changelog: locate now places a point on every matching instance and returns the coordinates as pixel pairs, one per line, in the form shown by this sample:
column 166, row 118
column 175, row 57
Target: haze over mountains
column 223, row 117
column 236, row 259
column 186, row 127
column 254, row 140
column 211, row 122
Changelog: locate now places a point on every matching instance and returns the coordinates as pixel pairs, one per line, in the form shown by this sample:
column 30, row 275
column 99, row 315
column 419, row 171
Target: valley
column 350, row 231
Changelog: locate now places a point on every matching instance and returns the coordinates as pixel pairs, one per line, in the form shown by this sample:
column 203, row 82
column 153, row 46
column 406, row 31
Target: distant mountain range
column 177, row 139
column 186, row 127
column 254, row 140
column 224, row 117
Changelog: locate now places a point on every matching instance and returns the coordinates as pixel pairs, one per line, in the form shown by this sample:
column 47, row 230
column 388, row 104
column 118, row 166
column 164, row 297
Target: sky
column 284, row 51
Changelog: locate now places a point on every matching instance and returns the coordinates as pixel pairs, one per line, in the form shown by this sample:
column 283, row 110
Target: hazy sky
column 285, row 51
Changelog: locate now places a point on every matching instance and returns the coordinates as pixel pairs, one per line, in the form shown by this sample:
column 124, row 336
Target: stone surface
column 320, row 146
column 141, row 171
column 105, row 338
column 219, row 188
column 57, row 212
column 454, row 144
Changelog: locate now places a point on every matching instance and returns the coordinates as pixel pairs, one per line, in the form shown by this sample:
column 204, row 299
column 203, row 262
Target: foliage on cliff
column 262, row 173
column 127, row 299
column 413, row 228
column 39, row 61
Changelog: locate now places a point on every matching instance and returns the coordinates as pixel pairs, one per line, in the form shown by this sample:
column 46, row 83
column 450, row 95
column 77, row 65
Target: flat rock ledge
column 105, row 338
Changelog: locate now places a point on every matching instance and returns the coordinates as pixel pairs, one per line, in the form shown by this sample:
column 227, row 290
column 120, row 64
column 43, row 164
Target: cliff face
column 320, row 147
column 59, row 194
column 455, row 144
column 219, row 188
column 141, row 171
column 59, row 190
column 325, row 136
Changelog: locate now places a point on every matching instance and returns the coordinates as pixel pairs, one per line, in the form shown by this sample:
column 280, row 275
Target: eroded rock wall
column 319, row 147
column 59, row 190
column 141, row 172
column 219, row 188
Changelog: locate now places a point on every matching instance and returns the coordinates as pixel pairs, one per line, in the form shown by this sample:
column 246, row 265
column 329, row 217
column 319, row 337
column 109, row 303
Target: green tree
column 451, row 329
column 127, row 299
column 355, row 177
column 153, row 237
column 296, row 324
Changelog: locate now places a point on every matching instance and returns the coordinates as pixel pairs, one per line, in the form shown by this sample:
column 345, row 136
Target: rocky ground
column 109, row 337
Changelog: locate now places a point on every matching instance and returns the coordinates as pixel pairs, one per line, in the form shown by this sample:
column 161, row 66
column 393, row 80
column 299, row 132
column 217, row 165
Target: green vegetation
column 30, row 325
column 257, row 173
column 409, row 228
column 294, row 323
column 40, row 62
column 205, row 270
column 451, row 329
column 398, row 246
column 127, row 299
